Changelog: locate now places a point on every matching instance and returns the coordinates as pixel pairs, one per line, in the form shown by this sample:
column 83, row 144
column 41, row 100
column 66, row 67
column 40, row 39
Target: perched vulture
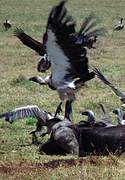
column 120, row 116
column 101, row 76
column 7, row 24
column 91, row 118
column 119, row 26
column 102, row 122
column 105, row 116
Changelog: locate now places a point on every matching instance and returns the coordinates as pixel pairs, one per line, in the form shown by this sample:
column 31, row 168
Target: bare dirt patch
column 26, row 167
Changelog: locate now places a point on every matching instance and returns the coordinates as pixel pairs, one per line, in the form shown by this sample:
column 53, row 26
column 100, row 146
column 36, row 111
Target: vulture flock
column 63, row 50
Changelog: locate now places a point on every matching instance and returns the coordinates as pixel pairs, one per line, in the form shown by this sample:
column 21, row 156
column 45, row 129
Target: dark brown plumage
column 66, row 50
column 30, row 42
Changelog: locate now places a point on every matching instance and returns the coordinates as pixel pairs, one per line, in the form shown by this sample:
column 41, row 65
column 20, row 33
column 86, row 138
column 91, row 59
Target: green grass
column 20, row 160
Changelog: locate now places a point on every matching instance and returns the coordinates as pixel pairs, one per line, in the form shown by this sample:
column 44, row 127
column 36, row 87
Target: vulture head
column 120, row 116
column 43, row 64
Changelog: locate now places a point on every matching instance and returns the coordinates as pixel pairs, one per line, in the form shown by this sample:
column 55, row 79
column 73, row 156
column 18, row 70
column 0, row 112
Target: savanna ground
column 18, row 158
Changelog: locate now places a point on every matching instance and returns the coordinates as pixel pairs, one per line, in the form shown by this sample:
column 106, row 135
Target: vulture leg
column 39, row 131
column 68, row 110
column 59, row 109
column 34, row 138
column 68, row 105
column 36, row 134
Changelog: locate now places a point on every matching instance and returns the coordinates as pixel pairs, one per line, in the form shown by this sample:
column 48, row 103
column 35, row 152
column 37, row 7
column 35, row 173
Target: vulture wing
column 29, row 41
column 68, row 58
column 23, row 112
column 89, row 31
column 101, row 76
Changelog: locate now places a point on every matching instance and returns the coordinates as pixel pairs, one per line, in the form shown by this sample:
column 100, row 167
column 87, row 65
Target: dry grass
column 17, row 158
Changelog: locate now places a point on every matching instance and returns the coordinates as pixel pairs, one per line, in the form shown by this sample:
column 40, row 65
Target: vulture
column 91, row 118
column 106, row 116
column 7, row 24
column 103, row 122
column 29, row 111
column 66, row 50
column 119, row 26
column 58, row 127
column 118, row 93
column 23, row 112
column 44, row 119
column 120, row 116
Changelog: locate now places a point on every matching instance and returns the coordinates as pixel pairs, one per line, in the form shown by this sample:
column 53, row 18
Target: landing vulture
column 66, row 50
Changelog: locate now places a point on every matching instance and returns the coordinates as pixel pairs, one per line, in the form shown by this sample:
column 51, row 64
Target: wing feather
column 29, row 41
column 61, row 30
column 23, row 112
column 101, row 76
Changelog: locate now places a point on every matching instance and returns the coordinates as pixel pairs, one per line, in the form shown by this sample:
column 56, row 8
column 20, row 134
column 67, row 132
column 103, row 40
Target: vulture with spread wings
column 43, row 119
column 66, row 50
column 67, row 53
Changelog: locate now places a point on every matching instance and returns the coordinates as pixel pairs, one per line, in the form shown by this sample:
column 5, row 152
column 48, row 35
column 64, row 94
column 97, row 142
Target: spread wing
column 23, row 112
column 89, row 32
column 29, row 41
column 101, row 76
column 66, row 47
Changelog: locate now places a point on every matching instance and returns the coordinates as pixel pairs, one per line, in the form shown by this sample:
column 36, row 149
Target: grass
column 20, row 160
